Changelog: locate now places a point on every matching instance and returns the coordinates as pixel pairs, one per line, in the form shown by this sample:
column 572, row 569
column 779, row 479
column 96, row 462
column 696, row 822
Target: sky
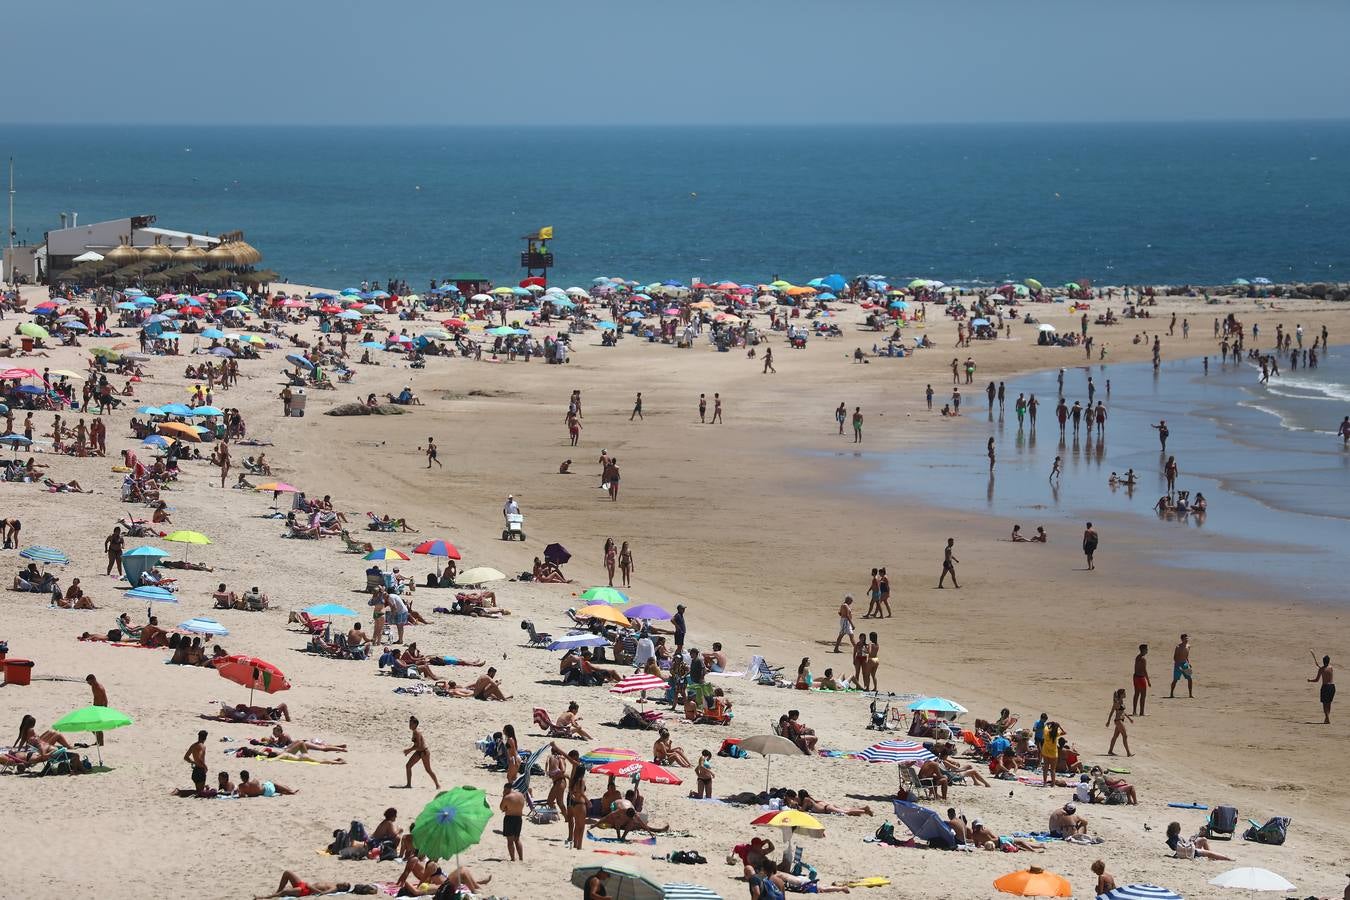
column 641, row 62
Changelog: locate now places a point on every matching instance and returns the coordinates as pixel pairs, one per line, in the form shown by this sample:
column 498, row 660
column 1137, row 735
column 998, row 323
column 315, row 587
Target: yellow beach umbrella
column 186, row 432
column 604, row 612
column 188, row 537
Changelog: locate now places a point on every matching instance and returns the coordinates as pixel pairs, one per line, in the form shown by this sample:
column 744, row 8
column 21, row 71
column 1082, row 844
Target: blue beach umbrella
column 925, row 824
column 203, row 625
column 126, row 305
column 150, row 411
column 176, row 409
column 937, row 704
column 148, row 592
column 213, row 333
column 207, row 411
column 146, row 550
column 349, row 315
column 16, row 441
column 157, row 440
column 143, row 302
column 226, row 352
column 606, row 326
column 170, row 335
column 45, row 555
column 332, row 609
column 350, row 292
column 325, row 296
column 77, row 326
column 30, row 389
column 297, row 359
column 372, row 345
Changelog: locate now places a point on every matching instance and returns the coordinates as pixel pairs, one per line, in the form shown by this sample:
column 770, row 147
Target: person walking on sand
column 1118, row 715
column 717, row 409
column 1089, row 545
column 637, row 408
column 626, row 565
column 100, row 699
column 1161, row 428
column 432, row 453
column 112, row 545
column 949, row 562
column 857, row 424
column 513, row 817
column 223, row 455
column 845, row 623
column 1327, row 693
column 418, row 752
column 768, row 361
column 1141, row 681
column 1181, row 667
column 611, row 558
column 841, row 416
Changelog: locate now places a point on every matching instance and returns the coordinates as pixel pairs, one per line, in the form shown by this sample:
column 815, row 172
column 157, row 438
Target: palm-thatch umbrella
column 122, row 255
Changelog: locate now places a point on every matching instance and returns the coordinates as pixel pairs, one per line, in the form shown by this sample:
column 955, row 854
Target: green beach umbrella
column 919, row 282
column 1033, row 284
column 605, row 595
column 451, row 823
column 33, row 330
column 187, row 537
column 93, row 719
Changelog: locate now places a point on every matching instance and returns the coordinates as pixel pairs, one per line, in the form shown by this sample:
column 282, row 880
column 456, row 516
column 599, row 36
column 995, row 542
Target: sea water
column 1267, row 458
column 1119, row 204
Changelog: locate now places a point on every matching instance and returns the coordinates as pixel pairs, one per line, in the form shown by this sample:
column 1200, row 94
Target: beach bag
column 886, row 834
column 1273, row 832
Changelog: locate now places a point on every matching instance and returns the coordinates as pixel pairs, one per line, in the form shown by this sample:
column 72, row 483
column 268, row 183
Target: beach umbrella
column 501, row 331
column 978, row 322
column 125, row 305
column 638, row 770
column 451, row 823
column 1260, row 280
column 151, row 593
column 1252, row 879
column 17, row 374
column 187, row 537
column 557, row 554
column 623, row 884
column 386, row 553
column 254, row 674
column 925, row 824
column 372, row 345
column 33, row 330
column 16, row 441
column 1049, row 328
column 278, row 487
column 605, row 595
column 181, row 431
column 150, row 411
column 146, row 550
column 1241, row 282
column 332, row 609
column 45, row 555
column 606, row 326
column 177, row 409
column 679, row 890
column 203, row 625
column 479, row 575
column 206, row 412
column 439, row 548
column 1140, row 892
column 647, row 611
column 602, row 755
column 768, row 746
column 574, row 641
column 896, row 752
column 1033, row 284
column 297, row 359
column 602, row 612
column 213, row 333
column 93, row 719
column 639, row 682
column 1034, row 882
column 937, row 704
column 792, row 822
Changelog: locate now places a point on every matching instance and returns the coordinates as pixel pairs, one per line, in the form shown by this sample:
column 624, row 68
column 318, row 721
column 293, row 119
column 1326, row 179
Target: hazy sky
column 687, row 61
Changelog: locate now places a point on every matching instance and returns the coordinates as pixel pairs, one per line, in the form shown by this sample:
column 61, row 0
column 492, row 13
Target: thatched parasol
column 122, row 255
column 221, row 255
column 157, row 253
column 245, row 253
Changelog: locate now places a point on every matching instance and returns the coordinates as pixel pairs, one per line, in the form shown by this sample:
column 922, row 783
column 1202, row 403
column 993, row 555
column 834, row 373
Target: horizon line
column 831, row 123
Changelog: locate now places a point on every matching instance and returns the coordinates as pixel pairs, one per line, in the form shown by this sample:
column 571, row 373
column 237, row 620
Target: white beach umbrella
column 1047, row 328
column 1252, row 879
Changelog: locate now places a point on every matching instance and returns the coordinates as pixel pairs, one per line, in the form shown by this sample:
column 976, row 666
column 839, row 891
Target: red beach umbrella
column 645, row 771
column 254, row 674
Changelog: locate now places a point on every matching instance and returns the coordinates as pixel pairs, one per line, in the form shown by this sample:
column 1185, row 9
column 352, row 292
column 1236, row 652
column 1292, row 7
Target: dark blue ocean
column 970, row 204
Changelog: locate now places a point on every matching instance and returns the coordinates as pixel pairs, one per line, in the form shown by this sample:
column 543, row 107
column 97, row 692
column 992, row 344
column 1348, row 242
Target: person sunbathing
column 828, row 682
column 569, row 723
column 75, row 598
column 243, row 713
column 625, row 819
column 282, row 740
column 486, row 687
column 548, row 573
column 982, row 837
column 933, row 770
column 225, row 599
column 292, row 886
column 790, row 727
column 63, row 487
column 664, row 754
column 807, row 803
column 451, row 689
column 44, row 744
column 1064, row 822
column 250, row 788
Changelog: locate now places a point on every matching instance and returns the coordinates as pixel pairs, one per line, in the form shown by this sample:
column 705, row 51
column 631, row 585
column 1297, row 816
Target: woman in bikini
column 626, row 564
column 556, row 770
column 611, row 559
column 512, row 753
column 576, row 798
column 1118, row 715
column 859, row 663
column 663, row 754
column 704, row 774
column 873, row 661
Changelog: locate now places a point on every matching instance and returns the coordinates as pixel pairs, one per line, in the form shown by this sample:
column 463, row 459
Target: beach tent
column 138, row 561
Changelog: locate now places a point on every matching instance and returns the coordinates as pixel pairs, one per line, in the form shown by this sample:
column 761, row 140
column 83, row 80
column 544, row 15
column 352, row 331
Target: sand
column 752, row 524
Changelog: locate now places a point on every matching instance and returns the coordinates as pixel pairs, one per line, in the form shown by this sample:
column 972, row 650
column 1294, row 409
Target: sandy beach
column 757, row 525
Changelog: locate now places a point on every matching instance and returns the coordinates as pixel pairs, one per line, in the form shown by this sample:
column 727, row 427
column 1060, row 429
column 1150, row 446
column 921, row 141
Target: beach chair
column 378, row 524
column 646, row 720
column 923, row 787
column 537, row 638
column 356, row 546
column 313, row 625
column 1221, row 824
column 544, row 721
column 373, row 581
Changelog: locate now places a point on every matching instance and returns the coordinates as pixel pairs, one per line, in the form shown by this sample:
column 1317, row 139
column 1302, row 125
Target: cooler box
column 298, row 404
column 18, row 671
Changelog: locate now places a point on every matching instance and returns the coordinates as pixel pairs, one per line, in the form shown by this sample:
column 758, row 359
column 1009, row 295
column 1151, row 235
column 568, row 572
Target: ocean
column 1266, row 457
column 1120, row 204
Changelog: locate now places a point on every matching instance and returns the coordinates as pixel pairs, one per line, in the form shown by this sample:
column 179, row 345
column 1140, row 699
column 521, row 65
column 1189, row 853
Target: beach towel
column 650, row 840
column 870, row 882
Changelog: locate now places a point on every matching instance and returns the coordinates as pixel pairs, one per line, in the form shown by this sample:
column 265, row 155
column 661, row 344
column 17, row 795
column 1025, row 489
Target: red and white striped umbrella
column 638, row 682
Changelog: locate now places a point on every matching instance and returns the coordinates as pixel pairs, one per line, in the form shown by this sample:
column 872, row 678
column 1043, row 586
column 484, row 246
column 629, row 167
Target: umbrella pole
column 768, row 764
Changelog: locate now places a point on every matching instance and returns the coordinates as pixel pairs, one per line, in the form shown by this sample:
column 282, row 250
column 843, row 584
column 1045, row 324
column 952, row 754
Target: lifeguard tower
column 537, row 259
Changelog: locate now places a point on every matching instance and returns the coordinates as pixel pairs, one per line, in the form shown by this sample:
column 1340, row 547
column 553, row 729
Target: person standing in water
column 1056, row 469
column 1327, row 693
column 1162, row 433
column 990, row 450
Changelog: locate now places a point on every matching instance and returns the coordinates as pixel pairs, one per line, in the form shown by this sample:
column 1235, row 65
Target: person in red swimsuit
column 292, row 886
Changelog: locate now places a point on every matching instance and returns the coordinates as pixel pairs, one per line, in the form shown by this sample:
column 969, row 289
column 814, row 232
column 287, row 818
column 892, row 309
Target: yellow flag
column 546, row 233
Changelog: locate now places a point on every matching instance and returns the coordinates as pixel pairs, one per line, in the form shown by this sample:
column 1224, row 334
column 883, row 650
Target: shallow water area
column 1266, row 458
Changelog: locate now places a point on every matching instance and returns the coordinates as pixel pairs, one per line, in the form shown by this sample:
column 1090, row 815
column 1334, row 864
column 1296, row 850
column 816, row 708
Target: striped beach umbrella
column 896, row 752
column 438, row 547
column 678, row 890
column 601, row 755
column 384, row 553
column 1140, row 892
column 639, row 682
column 203, row 625
column 45, row 555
